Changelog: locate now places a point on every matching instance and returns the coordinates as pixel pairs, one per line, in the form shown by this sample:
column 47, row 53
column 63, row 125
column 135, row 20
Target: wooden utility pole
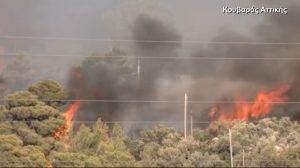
column 185, row 106
column 230, row 146
column 138, row 70
column 191, row 122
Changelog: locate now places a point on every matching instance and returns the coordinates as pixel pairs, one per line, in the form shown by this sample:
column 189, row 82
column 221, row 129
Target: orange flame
column 70, row 114
column 62, row 132
column 241, row 110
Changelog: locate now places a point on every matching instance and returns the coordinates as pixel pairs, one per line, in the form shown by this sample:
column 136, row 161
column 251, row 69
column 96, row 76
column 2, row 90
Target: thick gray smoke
column 262, row 74
column 203, row 80
column 148, row 32
column 118, row 79
column 160, row 78
column 223, row 79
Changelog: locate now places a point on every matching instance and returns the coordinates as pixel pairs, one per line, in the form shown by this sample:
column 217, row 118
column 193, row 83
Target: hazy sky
column 75, row 18
column 195, row 19
column 84, row 18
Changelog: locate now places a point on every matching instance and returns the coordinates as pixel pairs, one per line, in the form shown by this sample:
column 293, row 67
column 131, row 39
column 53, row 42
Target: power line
column 129, row 122
column 150, row 41
column 199, row 161
column 137, row 122
column 153, row 101
column 154, row 57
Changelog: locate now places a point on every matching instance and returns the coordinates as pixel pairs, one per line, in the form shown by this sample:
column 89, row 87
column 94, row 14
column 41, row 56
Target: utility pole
column 191, row 122
column 185, row 106
column 138, row 70
column 230, row 146
column 138, row 83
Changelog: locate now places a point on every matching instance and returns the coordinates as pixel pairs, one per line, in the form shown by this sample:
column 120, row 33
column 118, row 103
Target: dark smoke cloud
column 207, row 80
column 150, row 29
column 146, row 28
column 160, row 79
column 117, row 79
column 153, row 71
column 286, row 29
column 225, row 79
column 261, row 74
column 102, row 79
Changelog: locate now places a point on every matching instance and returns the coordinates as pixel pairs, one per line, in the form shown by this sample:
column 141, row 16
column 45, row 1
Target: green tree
column 15, row 154
column 50, row 92
column 27, row 130
column 164, row 147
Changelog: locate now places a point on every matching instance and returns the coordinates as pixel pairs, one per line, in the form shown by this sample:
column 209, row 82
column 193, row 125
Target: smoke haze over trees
column 126, row 66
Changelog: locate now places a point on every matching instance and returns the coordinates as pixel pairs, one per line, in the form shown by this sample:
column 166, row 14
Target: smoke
column 203, row 80
column 2, row 50
column 159, row 78
column 106, row 79
column 150, row 29
column 224, row 79
column 118, row 79
column 260, row 74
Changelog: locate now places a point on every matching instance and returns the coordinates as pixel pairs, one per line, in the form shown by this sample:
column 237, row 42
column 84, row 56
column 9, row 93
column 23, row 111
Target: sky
column 84, row 19
column 67, row 18
column 92, row 19
column 194, row 19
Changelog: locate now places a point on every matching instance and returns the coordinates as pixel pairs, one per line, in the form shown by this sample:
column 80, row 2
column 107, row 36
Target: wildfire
column 70, row 114
column 62, row 132
column 242, row 110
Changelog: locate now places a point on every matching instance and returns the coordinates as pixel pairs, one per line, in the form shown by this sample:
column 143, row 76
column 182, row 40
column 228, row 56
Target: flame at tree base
column 242, row 110
column 62, row 132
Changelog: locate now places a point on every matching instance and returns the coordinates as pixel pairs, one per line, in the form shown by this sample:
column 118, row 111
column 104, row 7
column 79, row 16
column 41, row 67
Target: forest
column 137, row 83
column 36, row 131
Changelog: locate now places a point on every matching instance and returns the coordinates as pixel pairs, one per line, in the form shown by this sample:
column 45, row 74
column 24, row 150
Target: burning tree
column 63, row 132
column 103, row 77
column 242, row 110
column 95, row 147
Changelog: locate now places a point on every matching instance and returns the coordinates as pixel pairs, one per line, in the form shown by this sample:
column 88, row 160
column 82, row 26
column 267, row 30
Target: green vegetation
column 95, row 147
column 49, row 90
column 27, row 128
column 28, row 124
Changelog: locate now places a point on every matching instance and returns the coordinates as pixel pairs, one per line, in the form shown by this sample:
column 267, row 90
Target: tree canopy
column 27, row 129
column 29, row 122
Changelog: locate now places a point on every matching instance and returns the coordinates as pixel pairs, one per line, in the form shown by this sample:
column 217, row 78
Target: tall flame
column 70, row 114
column 262, row 105
column 63, row 131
